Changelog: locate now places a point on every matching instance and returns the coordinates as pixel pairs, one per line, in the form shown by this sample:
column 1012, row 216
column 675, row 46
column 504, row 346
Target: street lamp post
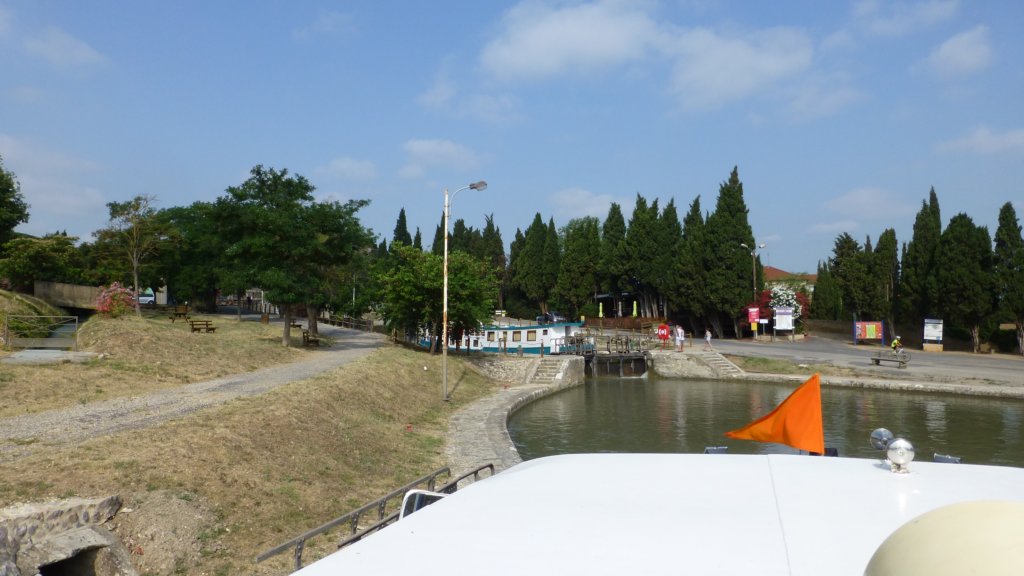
column 753, row 265
column 481, row 185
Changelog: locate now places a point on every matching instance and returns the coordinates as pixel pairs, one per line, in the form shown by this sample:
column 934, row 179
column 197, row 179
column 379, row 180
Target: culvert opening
column 81, row 564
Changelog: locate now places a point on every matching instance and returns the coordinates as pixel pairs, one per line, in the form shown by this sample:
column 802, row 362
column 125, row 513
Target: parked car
column 550, row 318
column 146, row 299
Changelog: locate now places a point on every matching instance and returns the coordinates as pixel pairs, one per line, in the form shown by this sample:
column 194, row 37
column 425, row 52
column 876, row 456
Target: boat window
column 476, row 343
column 490, row 336
column 517, row 336
column 544, row 332
column 531, row 335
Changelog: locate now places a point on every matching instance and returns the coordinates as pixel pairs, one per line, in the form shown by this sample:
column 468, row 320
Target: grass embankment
column 205, row 494
column 758, row 365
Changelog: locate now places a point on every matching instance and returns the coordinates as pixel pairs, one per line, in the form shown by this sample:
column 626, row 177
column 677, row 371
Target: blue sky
column 840, row 115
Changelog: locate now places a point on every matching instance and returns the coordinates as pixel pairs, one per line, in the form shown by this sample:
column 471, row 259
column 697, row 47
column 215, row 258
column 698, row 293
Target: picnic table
column 901, row 357
column 202, row 325
column 179, row 312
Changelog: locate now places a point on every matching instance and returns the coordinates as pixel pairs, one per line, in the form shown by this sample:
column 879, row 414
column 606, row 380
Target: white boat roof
column 619, row 514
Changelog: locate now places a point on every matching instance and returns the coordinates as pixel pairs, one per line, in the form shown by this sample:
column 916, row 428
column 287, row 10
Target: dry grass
column 142, row 355
column 209, row 492
column 759, row 365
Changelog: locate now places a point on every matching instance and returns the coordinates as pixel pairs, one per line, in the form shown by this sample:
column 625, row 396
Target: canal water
column 674, row 415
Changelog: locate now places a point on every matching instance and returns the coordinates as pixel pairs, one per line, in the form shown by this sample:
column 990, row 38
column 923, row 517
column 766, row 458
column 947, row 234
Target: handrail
column 352, row 517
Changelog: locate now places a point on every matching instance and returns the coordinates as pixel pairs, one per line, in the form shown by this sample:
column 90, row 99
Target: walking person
column 680, row 338
column 707, row 340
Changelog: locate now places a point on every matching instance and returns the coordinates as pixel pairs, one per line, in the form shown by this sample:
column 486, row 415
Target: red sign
column 753, row 315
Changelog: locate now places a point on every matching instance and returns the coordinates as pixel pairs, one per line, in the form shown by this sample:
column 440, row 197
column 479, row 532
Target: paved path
column 79, row 423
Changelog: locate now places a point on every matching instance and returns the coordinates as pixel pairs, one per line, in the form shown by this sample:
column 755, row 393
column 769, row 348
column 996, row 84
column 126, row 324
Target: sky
column 840, row 116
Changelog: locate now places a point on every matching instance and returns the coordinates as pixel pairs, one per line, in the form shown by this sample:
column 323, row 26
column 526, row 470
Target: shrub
column 115, row 300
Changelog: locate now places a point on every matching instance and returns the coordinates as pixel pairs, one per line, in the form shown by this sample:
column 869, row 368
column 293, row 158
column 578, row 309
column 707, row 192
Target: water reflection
column 665, row 415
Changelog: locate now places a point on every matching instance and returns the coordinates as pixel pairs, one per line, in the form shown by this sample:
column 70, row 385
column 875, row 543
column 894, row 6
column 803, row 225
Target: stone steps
column 547, row 371
column 720, row 364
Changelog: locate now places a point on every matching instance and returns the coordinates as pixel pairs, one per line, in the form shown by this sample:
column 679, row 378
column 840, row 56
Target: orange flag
column 796, row 422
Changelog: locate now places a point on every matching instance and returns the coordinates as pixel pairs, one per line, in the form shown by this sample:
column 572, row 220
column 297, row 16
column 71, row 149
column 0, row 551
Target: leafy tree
column 287, row 240
column 1008, row 269
column 577, row 277
column 726, row 261
column 851, row 269
column 413, row 292
column 965, row 251
column 51, row 258
column 516, row 302
column 192, row 271
column 13, row 210
column 919, row 288
column 136, row 233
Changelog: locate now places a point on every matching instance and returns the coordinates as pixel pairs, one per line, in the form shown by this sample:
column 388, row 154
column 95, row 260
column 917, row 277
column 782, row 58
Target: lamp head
column 481, row 185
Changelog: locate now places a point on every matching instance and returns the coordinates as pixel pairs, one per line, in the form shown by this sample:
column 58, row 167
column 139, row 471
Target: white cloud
column 984, row 141
column 537, row 42
column 440, row 94
column 712, row 69
column 62, row 50
column 820, row 98
column 443, row 154
column 867, row 204
column 886, row 18
column 326, row 24
column 966, row 53
column 577, row 202
column 350, row 169
column 56, row 188
column 837, row 227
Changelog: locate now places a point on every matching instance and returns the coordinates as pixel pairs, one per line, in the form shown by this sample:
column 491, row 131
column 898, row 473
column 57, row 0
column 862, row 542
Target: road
column 943, row 367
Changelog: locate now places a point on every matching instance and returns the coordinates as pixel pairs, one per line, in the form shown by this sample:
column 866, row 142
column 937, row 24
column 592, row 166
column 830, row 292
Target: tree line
column 960, row 274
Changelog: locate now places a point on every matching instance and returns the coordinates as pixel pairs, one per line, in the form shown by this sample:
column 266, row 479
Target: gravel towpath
column 21, row 435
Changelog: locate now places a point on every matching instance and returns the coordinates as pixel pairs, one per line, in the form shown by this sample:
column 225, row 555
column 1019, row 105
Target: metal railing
column 386, row 509
column 59, row 332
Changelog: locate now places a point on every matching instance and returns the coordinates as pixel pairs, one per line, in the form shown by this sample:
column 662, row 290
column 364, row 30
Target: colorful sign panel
column 867, row 331
column 753, row 315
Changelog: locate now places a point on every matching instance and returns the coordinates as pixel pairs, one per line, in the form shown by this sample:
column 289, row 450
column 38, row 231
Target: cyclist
column 897, row 344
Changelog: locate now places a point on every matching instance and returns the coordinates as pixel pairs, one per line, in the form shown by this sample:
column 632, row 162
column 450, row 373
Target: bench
column 309, row 340
column 902, row 357
column 202, row 326
column 179, row 312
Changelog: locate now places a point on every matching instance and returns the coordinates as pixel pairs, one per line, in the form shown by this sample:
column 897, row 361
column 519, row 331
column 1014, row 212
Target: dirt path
column 20, row 436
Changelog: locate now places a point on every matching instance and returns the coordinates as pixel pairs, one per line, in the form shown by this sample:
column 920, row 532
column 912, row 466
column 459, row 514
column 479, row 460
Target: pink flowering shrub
column 115, row 300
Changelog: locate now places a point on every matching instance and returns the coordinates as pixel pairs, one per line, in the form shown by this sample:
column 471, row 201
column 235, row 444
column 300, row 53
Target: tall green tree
column 1008, row 269
column 642, row 247
column 136, row 233
column 13, row 209
column 612, row 266
column 851, row 271
column 550, row 263
column 919, row 288
column 691, row 294
column 886, row 275
column 577, row 277
column 663, row 274
column 727, row 262
column 401, row 233
column 492, row 251
column 528, row 267
column 967, row 297
column 827, row 303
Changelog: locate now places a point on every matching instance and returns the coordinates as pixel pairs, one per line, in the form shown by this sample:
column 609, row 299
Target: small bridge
column 66, row 295
column 618, row 353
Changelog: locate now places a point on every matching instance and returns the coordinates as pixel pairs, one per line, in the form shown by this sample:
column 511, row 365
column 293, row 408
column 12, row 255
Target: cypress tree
column 691, row 284
column 727, row 262
column 1008, row 269
column 918, row 285
column 965, row 251
column 613, row 253
column 642, row 253
column 401, row 233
